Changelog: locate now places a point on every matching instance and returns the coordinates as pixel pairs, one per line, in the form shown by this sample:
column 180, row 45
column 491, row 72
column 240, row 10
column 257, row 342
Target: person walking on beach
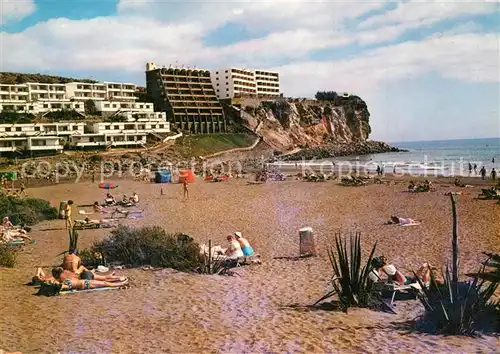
column 493, row 160
column 22, row 190
column 379, row 170
column 93, row 176
column 470, row 168
column 475, row 169
column 493, row 174
column 185, row 187
column 482, row 171
column 67, row 214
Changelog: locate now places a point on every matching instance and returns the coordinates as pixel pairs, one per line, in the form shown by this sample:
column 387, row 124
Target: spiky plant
column 350, row 281
column 73, row 240
column 459, row 308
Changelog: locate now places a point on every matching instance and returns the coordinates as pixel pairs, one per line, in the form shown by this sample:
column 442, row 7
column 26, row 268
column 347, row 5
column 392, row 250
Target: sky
column 428, row 70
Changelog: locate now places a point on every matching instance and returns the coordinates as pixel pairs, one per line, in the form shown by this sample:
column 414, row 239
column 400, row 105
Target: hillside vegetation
column 20, row 78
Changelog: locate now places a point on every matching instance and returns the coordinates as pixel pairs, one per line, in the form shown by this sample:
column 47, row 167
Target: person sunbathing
column 72, row 283
column 110, row 200
column 98, row 208
column 401, row 221
column 73, row 263
column 234, row 249
column 381, row 267
column 134, row 199
column 126, row 213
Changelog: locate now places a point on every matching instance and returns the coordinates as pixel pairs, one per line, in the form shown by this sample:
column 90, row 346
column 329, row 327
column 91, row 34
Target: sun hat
column 237, row 234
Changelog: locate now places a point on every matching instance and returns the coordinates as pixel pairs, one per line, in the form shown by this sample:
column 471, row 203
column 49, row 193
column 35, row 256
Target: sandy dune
column 165, row 311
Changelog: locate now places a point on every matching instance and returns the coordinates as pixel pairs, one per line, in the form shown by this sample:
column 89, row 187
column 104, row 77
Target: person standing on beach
column 93, row 176
column 475, row 169
column 493, row 174
column 185, row 187
column 22, row 191
column 67, row 214
column 470, row 168
column 482, row 171
column 493, row 160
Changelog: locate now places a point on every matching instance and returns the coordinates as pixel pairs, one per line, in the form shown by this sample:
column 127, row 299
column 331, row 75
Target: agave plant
column 350, row 281
column 460, row 307
column 73, row 240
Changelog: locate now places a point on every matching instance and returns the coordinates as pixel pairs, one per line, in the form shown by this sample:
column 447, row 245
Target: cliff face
column 289, row 124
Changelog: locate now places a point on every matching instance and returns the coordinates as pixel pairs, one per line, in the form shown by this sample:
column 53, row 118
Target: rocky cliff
column 325, row 128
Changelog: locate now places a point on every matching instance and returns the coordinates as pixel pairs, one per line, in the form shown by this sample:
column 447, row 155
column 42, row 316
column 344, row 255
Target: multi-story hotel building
column 36, row 98
column 268, row 83
column 188, row 98
column 232, row 83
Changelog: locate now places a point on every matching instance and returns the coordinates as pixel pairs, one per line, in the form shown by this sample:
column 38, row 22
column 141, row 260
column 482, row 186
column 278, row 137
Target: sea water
column 432, row 158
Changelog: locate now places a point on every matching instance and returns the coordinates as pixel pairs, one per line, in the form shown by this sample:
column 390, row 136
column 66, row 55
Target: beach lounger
column 393, row 289
column 19, row 243
column 82, row 225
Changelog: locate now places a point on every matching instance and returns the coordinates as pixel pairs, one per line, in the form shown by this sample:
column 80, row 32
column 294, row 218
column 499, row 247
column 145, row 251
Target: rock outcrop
column 319, row 128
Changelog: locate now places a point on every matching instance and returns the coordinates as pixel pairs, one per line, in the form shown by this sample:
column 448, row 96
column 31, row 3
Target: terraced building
column 188, row 98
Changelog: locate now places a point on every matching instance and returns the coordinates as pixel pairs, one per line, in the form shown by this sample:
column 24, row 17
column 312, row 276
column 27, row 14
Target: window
column 106, row 105
column 227, row 89
column 31, row 108
column 19, row 129
column 217, row 84
column 161, row 126
column 75, row 127
column 217, row 90
column 116, row 127
column 37, row 129
column 226, row 72
column 77, row 106
column 114, row 105
column 216, row 78
column 216, row 73
column 45, row 105
column 141, row 106
column 227, row 78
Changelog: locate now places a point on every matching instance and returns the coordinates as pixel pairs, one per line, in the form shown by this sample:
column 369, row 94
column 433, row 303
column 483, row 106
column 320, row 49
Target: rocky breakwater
column 302, row 128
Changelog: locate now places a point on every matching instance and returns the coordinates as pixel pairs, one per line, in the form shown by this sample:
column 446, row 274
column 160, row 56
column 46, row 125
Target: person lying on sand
column 84, row 284
column 402, row 221
column 126, row 213
column 381, row 267
column 98, row 208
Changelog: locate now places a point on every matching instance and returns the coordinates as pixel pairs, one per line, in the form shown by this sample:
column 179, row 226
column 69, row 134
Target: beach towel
column 74, row 291
column 84, row 212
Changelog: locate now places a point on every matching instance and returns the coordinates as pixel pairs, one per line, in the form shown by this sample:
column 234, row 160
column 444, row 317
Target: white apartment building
column 82, row 91
column 236, row 82
column 37, row 136
column 268, row 83
column 121, row 134
column 38, row 98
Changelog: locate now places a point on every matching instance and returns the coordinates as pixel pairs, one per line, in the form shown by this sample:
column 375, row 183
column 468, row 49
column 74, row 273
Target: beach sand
column 169, row 312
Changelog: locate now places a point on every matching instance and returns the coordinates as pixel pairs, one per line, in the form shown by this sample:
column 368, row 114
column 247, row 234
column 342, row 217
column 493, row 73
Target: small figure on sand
column 161, row 190
column 493, row 174
column 93, row 176
column 482, row 172
column 470, row 168
column 475, row 169
column 67, row 214
column 22, row 191
column 185, row 188
column 493, row 160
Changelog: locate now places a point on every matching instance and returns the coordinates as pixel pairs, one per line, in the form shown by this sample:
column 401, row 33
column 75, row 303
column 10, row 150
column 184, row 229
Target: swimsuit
column 68, row 283
column 247, row 251
column 86, row 284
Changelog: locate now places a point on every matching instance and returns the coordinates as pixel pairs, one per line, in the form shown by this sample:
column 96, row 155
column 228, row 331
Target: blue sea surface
column 443, row 158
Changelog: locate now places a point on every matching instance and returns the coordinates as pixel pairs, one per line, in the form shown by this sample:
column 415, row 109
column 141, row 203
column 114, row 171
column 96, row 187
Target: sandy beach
column 169, row 312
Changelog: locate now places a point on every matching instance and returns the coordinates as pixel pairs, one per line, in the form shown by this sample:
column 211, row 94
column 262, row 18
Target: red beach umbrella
column 108, row 186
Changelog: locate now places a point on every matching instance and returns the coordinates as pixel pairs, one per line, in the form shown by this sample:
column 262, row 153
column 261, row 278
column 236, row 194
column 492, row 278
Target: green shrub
column 458, row 307
column 350, row 280
column 8, row 256
column 27, row 211
column 149, row 246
